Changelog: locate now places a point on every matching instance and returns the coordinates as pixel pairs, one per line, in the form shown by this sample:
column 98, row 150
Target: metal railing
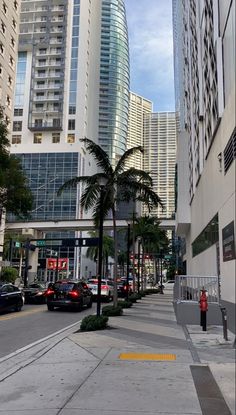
column 188, row 288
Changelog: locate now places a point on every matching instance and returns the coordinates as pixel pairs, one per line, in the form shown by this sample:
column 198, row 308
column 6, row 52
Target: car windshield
column 36, row 286
column 64, row 286
column 171, row 282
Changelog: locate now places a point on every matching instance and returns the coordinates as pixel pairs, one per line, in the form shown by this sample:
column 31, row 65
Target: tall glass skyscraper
column 72, row 82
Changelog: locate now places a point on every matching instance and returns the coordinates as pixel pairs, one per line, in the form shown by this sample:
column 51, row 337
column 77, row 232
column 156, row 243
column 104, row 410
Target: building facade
column 138, row 107
column 204, row 46
column 9, row 18
column 72, row 82
column 160, row 159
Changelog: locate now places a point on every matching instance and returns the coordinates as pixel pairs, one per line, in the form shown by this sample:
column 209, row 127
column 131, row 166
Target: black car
column 10, row 297
column 35, row 293
column 122, row 288
column 68, row 294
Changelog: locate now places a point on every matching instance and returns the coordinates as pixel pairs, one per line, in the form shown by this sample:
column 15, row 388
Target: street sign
column 80, row 242
column 17, row 244
column 42, row 242
column 168, row 256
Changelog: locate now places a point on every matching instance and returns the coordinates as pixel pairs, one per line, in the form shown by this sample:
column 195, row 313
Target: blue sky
column 151, row 51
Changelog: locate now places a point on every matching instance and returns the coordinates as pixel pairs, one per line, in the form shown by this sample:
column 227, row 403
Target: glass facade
column 208, row 237
column 114, row 79
column 46, row 172
column 20, row 81
column 74, row 57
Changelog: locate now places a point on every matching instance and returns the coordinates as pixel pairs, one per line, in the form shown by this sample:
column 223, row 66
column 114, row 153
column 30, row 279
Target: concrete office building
column 72, row 82
column 9, row 19
column 204, row 46
column 160, row 159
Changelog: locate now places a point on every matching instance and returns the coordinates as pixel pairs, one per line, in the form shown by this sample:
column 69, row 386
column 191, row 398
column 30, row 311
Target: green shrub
column 142, row 293
column 91, row 323
column 111, row 310
column 9, row 274
column 134, row 297
column 125, row 304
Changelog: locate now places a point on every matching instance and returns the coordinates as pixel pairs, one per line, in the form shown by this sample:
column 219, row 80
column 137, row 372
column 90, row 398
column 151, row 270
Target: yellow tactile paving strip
column 147, row 356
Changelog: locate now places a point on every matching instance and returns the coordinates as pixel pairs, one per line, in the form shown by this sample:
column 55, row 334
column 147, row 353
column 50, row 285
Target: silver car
column 107, row 288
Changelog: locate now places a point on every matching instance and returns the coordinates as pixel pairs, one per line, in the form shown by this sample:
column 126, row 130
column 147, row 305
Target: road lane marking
column 21, row 314
column 147, row 356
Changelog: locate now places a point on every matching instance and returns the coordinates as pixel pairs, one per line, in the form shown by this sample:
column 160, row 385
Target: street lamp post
column 100, row 248
column 161, row 256
column 127, row 276
column 139, row 243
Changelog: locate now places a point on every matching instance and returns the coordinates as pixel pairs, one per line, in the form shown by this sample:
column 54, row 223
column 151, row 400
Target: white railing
column 188, row 288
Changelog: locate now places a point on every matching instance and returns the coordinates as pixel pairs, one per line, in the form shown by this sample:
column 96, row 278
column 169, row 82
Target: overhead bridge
column 76, row 225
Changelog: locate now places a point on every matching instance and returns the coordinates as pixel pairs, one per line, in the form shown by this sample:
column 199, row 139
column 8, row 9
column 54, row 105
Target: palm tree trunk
column 115, row 256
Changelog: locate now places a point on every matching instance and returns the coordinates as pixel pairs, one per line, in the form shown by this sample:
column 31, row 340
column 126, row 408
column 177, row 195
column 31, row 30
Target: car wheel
column 50, row 307
column 18, row 307
column 89, row 305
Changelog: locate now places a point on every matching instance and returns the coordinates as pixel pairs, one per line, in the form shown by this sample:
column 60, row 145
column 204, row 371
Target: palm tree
column 152, row 238
column 108, row 250
column 121, row 185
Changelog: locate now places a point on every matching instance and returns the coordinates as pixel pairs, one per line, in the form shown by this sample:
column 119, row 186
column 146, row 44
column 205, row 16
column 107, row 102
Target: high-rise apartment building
column 72, row 82
column 9, row 16
column 138, row 107
column 9, row 20
column 160, row 158
column 204, row 46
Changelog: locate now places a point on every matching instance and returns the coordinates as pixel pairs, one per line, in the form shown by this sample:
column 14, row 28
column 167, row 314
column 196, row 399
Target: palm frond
column 89, row 196
column 135, row 174
column 123, row 160
column 101, row 157
column 73, row 183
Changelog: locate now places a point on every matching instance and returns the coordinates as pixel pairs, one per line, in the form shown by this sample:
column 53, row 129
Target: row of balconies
column 41, row 20
column 50, row 63
column 42, row 9
column 47, row 98
column 33, row 30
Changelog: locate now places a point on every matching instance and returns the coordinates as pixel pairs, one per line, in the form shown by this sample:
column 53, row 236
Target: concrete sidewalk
column 124, row 370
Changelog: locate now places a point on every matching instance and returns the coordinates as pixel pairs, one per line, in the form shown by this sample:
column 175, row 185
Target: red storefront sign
column 62, row 264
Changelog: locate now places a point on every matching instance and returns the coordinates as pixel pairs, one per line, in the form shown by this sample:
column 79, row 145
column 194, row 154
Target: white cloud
column 151, row 50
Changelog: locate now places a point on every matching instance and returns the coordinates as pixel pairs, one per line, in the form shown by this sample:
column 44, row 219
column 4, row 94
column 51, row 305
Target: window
column 10, row 81
column 17, row 125
column 72, row 109
column 13, row 23
column 38, row 122
column 8, row 101
column 11, row 61
column 16, row 139
column 18, row 112
column 1, row 48
column 71, row 138
column 55, row 138
column 4, row 6
column 71, row 125
column 37, row 138
column 3, row 27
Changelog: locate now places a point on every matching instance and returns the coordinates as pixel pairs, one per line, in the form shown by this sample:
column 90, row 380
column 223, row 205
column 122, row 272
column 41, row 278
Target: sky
column 151, row 51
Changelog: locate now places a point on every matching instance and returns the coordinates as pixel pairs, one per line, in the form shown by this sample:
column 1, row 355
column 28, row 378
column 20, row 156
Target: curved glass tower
column 114, row 79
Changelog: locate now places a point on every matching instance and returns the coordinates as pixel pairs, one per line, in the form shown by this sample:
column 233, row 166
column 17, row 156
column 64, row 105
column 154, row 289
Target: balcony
column 55, row 125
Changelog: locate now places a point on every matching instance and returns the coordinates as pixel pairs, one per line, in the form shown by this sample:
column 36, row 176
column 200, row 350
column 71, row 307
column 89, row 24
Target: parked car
column 107, row 288
column 122, row 288
column 35, row 293
column 68, row 294
column 10, row 297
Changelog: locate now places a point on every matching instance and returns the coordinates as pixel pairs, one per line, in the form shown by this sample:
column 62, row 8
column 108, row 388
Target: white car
column 107, row 288
column 169, row 285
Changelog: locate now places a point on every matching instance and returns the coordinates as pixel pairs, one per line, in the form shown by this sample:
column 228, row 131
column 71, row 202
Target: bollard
column 224, row 321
